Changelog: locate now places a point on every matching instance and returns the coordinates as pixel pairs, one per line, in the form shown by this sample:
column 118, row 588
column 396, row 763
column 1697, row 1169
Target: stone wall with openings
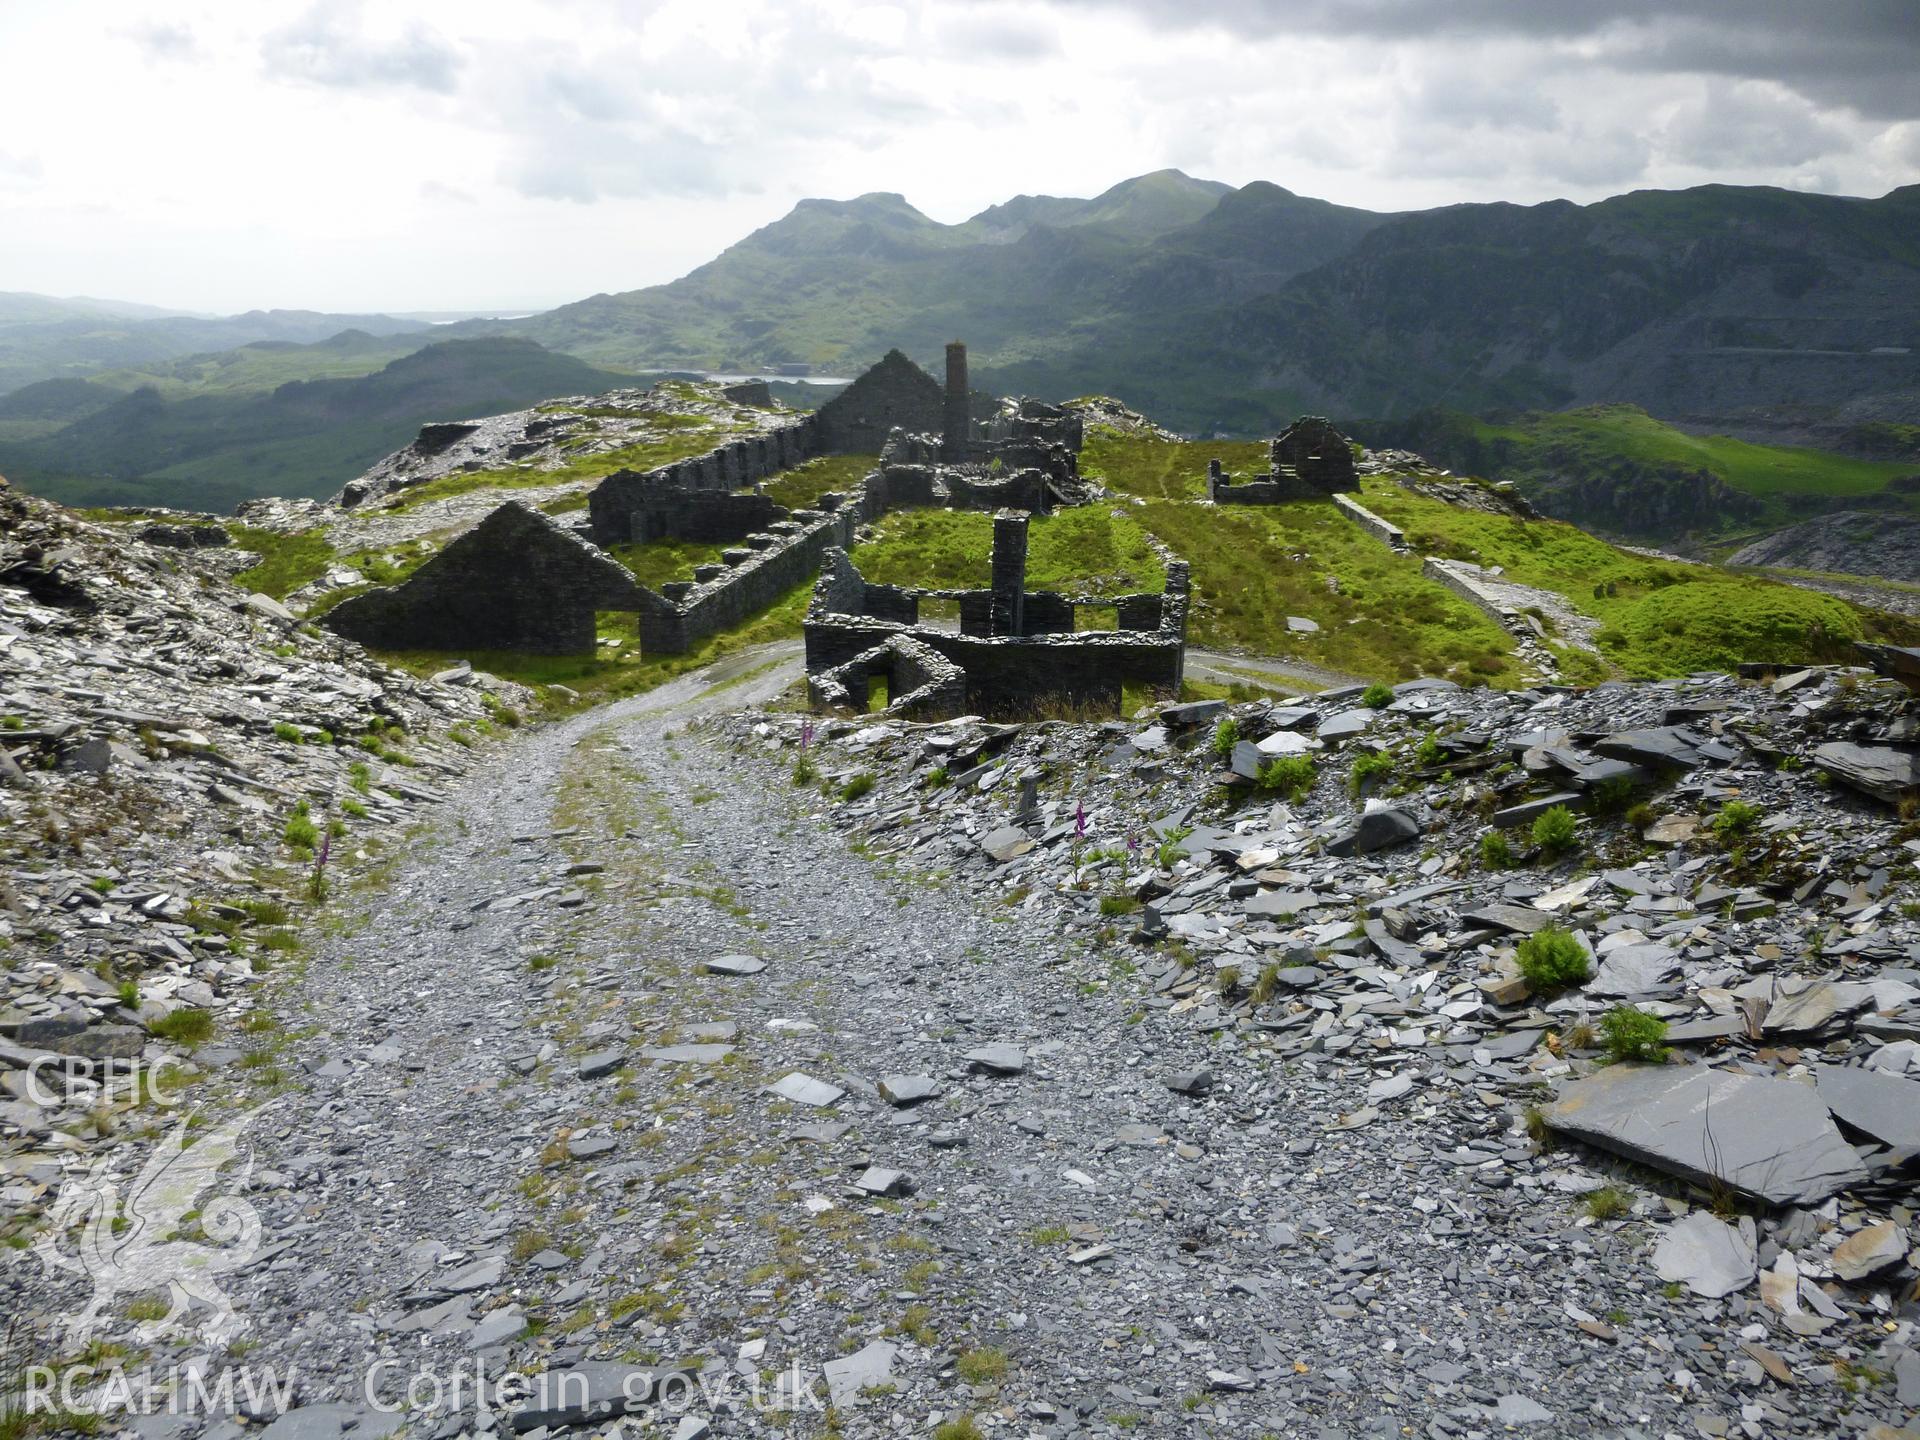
column 1017, row 647
column 922, row 684
column 1309, row 460
column 661, row 504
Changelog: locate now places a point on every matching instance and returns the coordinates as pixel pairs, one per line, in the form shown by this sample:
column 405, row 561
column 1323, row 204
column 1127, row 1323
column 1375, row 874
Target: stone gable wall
column 517, row 581
column 896, row 393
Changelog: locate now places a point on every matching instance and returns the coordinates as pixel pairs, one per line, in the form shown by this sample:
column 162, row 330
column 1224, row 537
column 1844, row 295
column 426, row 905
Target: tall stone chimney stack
column 956, row 423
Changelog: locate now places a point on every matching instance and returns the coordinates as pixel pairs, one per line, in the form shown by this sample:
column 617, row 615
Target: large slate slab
column 1634, row 970
column 1884, row 1106
column 734, row 965
column 1376, row 830
column 1883, row 771
column 803, row 1089
column 868, row 1366
column 1766, row 1138
column 903, row 1090
column 1671, row 745
column 997, row 1058
column 1006, row 843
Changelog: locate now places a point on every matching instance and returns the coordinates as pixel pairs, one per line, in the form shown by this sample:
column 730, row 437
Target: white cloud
column 331, row 46
column 434, row 154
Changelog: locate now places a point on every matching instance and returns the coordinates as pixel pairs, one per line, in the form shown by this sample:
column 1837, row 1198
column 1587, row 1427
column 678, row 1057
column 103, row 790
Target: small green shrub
column 937, row 778
column 354, row 808
column 129, row 994
column 1112, row 905
column 1377, row 696
column 1495, row 852
column 360, row 776
column 856, row 787
column 1374, row 765
column 1734, row 820
column 1226, row 735
column 1555, row 830
column 1551, row 959
column 1633, row 1035
column 804, row 772
column 1290, row 776
column 1167, row 855
column 291, row 733
column 1429, row 753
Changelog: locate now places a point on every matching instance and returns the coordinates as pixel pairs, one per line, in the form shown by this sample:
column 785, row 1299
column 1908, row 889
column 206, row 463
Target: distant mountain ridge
column 1760, row 312
column 1233, row 309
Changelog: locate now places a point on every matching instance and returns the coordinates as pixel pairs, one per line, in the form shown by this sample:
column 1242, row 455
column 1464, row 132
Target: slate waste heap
column 184, row 766
column 1654, row 946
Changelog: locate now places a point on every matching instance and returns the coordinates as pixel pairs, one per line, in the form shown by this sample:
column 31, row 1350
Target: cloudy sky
column 457, row 154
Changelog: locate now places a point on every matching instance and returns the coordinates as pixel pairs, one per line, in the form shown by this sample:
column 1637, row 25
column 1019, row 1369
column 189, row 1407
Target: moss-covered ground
column 1660, row 617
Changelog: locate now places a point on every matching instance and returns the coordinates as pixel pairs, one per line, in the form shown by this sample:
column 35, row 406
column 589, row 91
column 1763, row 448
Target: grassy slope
column 1253, row 566
column 1635, row 469
column 1660, row 618
column 264, row 366
column 1605, row 431
column 1088, row 551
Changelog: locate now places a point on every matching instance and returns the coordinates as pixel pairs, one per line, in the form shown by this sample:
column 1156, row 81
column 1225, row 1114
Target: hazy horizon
column 434, row 156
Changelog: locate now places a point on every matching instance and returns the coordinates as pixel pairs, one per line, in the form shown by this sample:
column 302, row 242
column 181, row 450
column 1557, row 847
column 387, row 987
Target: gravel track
column 1108, row 1256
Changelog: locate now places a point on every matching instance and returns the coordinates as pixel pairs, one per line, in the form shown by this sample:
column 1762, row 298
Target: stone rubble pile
column 1741, row 868
column 165, row 740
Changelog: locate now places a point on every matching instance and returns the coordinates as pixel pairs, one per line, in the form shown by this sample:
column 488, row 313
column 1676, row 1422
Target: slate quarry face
column 517, row 581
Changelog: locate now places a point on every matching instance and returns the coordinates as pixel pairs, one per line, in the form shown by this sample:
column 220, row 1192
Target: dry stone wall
column 758, row 574
column 678, row 501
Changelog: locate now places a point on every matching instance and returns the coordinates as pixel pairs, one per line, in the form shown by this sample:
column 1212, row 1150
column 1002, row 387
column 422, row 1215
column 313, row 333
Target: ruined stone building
column 702, row 498
column 523, row 581
column 1309, row 460
column 1014, row 647
column 517, row 581
column 895, row 394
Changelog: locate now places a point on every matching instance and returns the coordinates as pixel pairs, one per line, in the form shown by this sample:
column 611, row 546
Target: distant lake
column 788, row 379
